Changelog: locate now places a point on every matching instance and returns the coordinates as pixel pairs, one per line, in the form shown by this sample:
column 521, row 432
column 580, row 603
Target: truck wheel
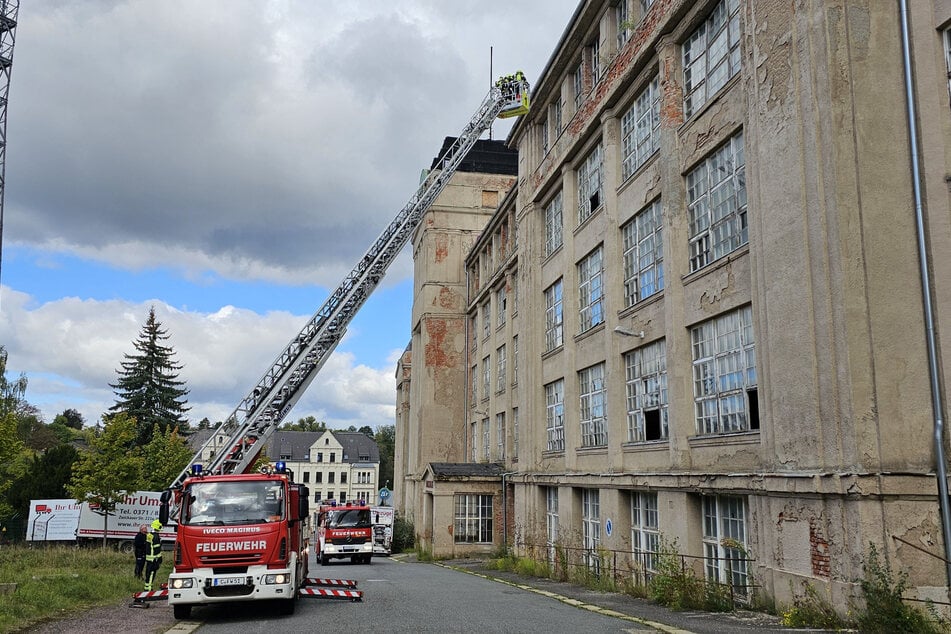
column 126, row 547
column 356, row 559
column 324, row 560
column 182, row 611
column 368, row 559
column 286, row 607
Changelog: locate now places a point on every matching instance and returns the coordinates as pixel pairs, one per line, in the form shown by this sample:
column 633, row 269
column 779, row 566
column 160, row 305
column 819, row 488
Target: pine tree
column 148, row 388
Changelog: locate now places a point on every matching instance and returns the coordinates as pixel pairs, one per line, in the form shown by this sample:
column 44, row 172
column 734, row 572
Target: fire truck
column 237, row 555
column 344, row 531
column 240, row 537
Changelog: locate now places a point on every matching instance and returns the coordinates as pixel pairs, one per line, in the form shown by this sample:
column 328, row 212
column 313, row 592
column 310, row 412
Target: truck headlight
column 278, row 579
column 183, row 582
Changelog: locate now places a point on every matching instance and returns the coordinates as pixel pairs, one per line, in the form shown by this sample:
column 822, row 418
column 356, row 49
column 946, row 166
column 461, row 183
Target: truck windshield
column 217, row 503
column 350, row 518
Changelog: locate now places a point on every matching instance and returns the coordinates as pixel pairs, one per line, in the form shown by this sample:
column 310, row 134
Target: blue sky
column 228, row 162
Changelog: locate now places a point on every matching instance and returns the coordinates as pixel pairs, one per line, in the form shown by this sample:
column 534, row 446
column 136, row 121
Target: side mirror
column 163, row 506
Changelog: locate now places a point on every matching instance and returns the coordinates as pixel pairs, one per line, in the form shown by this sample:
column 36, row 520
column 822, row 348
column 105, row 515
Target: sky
column 228, row 162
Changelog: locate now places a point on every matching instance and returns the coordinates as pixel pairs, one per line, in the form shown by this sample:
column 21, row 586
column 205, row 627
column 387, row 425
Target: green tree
column 45, row 477
column 112, row 468
column 386, row 440
column 11, row 442
column 148, row 388
column 163, row 459
column 367, row 430
column 305, row 424
column 70, row 418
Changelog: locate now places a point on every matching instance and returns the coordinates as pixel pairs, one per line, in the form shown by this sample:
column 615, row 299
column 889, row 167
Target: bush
column 811, row 610
column 677, row 587
column 884, row 611
column 404, row 535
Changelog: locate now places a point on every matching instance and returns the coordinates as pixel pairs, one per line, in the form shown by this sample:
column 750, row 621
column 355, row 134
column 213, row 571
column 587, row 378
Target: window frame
column 591, row 290
column 591, row 529
column 555, row 415
column 721, row 525
column 645, row 531
column 554, row 316
column 636, row 145
column 473, row 518
column 646, row 388
column 592, row 406
column 554, row 224
column 590, row 183
column 699, row 49
column 642, row 239
column 500, row 369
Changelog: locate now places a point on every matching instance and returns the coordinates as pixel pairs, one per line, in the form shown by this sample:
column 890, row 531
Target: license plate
column 228, row 581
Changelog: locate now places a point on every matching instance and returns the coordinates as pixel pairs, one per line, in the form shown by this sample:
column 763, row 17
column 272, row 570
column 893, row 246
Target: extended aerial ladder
column 258, row 415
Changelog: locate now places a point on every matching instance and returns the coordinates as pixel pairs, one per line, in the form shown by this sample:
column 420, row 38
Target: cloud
column 70, row 350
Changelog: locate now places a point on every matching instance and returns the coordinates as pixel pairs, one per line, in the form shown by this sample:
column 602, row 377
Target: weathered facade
column 711, row 328
column 432, row 374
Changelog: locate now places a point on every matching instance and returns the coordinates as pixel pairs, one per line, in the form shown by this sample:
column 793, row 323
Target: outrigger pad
column 139, row 603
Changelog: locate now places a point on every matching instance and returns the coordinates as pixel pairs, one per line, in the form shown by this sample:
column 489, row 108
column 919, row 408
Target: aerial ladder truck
column 214, row 559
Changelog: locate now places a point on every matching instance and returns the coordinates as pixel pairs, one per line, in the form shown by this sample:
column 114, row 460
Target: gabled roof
column 297, row 444
column 465, row 469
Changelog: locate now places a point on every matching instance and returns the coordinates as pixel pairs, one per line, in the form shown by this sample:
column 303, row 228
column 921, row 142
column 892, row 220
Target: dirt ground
column 112, row 619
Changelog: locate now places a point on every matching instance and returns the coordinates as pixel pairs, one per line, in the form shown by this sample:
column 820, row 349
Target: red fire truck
column 344, row 530
column 241, row 537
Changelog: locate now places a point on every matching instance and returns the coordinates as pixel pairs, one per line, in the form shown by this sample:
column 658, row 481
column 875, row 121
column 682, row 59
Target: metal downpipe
column 936, row 400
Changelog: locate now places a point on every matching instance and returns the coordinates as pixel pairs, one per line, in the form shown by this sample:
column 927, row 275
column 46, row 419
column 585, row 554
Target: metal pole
column 936, row 400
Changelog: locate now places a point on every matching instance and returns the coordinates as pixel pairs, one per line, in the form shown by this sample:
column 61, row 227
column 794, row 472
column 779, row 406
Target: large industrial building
column 708, row 313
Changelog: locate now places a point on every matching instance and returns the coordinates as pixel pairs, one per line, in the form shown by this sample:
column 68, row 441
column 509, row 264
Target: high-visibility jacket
column 153, row 546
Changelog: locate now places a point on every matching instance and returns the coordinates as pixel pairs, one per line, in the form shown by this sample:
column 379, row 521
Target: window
column 596, row 68
column 318, row 477
column 500, row 369
column 306, row 477
column 474, row 333
column 486, row 321
column 577, row 82
column 947, row 56
column 555, row 110
column 333, row 457
column 640, row 130
column 553, row 225
column 724, row 374
column 716, row 204
column 591, row 528
column 500, row 433
column 551, row 523
column 343, row 496
column 500, row 303
column 330, row 477
column 623, row 26
column 645, row 5
column 724, row 540
column 475, row 385
column 320, row 456
column 647, row 392
column 590, row 184
column 473, row 455
column 591, row 290
column 343, row 477
column 554, row 319
column 515, row 433
column 317, row 497
column 544, row 134
column 485, row 439
column 645, row 532
column 711, row 55
column 486, row 372
column 594, row 429
column 643, row 254
column 473, row 523
column 555, row 415
column 515, row 360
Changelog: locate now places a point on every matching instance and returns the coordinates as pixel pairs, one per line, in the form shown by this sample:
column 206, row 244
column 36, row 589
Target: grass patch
column 56, row 581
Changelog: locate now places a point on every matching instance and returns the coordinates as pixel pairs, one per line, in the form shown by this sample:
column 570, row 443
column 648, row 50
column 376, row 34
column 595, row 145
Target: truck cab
column 343, row 531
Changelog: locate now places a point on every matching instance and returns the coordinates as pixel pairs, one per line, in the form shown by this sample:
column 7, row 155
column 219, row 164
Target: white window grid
column 622, row 18
column 724, row 370
column 501, row 303
column 500, row 369
column 592, row 399
column 643, row 239
column 555, row 415
column 473, row 328
column 515, row 360
column 500, row 434
column 591, row 528
column 724, row 528
column 486, row 453
column 474, row 396
column 474, row 453
column 646, row 372
column 514, row 432
column 473, row 519
column 597, row 69
column 486, row 320
column 554, row 317
column 640, row 129
column 556, row 116
column 591, row 184
column 486, row 376
column 577, row 81
column 645, row 530
column 551, row 523
column 711, row 55
column 716, row 204
column 591, row 290
column 554, row 225
column 645, row 5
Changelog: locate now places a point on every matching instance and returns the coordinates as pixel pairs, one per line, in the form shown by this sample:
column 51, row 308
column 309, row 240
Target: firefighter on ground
column 153, row 554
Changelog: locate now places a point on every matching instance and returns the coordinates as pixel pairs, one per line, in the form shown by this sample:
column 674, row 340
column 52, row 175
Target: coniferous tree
column 148, row 388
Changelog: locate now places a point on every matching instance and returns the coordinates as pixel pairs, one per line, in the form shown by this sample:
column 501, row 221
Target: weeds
column 677, row 587
column 811, row 610
column 404, row 535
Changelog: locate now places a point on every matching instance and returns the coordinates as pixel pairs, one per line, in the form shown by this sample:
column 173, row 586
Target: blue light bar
column 196, row 469
column 280, row 466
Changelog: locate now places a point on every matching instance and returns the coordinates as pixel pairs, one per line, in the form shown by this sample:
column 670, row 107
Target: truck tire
column 126, row 546
column 182, row 611
column 324, row 560
column 285, row 607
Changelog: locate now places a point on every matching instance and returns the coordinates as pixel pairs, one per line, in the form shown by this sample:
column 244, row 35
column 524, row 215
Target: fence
column 639, row 567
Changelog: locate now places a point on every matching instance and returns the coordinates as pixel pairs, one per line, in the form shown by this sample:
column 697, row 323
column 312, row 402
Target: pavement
column 643, row 615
